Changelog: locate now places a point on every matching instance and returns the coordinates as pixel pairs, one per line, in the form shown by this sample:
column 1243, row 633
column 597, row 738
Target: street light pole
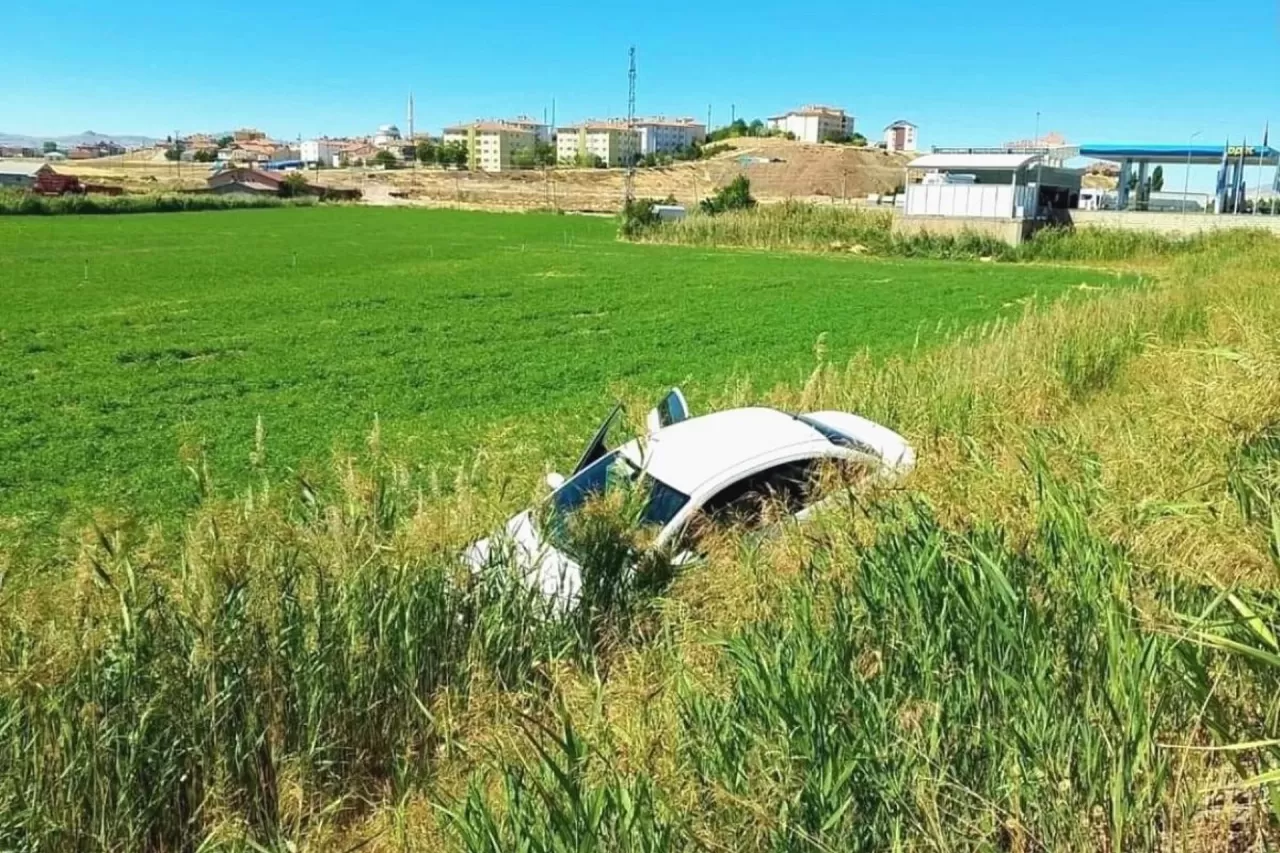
column 1186, row 180
column 1039, row 163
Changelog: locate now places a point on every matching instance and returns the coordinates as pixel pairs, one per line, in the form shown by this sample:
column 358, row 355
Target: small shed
column 988, row 185
column 22, row 176
column 245, row 181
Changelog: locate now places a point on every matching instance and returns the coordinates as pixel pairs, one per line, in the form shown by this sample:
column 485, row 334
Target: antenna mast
column 629, row 185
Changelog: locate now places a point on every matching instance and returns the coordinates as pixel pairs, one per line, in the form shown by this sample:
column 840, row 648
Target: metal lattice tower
column 629, row 185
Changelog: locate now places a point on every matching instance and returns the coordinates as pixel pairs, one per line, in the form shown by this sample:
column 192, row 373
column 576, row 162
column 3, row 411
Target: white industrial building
column 814, row 123
column 322, row 151
column 662, row 135
column 976, row 184
column 900, row 136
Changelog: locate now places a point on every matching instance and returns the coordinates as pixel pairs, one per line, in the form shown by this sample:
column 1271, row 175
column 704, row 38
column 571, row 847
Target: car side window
column 745, row 501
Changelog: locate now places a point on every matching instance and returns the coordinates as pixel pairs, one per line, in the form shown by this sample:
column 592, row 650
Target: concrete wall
column 1012, row 231
column 1170, row 223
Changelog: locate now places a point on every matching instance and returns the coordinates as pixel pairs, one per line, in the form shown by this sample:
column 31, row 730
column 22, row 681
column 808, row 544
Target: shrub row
column 802, row 226
column 27, row 204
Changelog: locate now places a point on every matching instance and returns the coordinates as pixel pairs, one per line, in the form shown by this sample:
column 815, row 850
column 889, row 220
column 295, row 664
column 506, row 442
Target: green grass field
column 128, row 342
column 1059, row 632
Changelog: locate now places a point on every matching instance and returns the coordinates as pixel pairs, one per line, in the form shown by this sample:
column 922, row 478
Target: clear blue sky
column 966, row 73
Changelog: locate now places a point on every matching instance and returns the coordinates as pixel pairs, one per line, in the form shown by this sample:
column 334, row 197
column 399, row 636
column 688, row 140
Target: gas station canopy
column 1200, row 155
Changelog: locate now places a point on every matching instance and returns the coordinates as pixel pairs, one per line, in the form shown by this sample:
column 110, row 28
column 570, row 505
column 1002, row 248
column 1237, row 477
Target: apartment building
column 814, row 123
column 491, row 145
column 322, row 151
column 663, row 135
column 541, row 131
column 900, row 136
column 612, row 142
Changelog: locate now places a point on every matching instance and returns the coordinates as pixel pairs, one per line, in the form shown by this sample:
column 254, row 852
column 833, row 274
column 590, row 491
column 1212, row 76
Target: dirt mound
column 781, row 169
column 778, row 169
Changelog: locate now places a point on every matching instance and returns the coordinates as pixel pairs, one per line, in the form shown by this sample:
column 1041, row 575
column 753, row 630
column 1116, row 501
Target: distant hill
column 87, row 138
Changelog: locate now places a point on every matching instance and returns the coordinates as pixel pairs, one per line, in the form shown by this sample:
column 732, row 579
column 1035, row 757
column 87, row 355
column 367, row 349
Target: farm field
column 1058, row 632
column 130, row 345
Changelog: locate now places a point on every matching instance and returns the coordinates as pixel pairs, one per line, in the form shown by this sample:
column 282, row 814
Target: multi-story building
column 900, row 136
column 662, row 135
column 541, row 131
column 814, row 123
column 611, row 142
column 322, row 151
column 491, row 145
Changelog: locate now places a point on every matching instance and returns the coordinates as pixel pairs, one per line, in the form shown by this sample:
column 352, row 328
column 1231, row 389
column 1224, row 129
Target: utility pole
column 1186, row 178
column 733, row 113
column 412, row 141
column 555, row 141
column 1257, row 199
column 708, row 118
column 1039, row 164
column 629, row 185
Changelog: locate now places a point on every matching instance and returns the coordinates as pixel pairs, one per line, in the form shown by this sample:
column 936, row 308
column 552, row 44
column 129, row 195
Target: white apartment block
column 900, row 136
column 814, row 123
column 490, row 145
column 611, row 142
column 322, row 151
column 661, row 135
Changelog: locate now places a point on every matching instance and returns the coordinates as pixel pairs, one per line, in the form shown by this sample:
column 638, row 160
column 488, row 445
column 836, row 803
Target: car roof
column 688, row 454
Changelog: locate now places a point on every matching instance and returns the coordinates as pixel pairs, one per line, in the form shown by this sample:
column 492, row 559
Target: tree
column 385, row 159
column 692, row 151
column 173, row 152
column 454, row 154
column 294, row 185
column 205, row 155
column 224, row 141
column 426, row 152
column 523, row 158
column 735, row 196
column 1157, row 179
column 50, row 146
column 637, row 215
column 756, row 128
column 857, row 140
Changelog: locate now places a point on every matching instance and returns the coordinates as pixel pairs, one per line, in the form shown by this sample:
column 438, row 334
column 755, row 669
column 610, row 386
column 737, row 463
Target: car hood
column 520, row 543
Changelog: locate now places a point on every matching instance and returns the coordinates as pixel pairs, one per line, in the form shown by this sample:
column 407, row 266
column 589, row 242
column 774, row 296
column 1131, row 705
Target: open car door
column 598, row 447
column 671, row 409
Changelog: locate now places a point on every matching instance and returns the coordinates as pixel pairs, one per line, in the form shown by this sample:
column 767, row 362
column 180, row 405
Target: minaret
column 411, row 116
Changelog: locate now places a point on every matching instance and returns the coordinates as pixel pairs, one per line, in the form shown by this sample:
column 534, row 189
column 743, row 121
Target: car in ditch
column 720, row 467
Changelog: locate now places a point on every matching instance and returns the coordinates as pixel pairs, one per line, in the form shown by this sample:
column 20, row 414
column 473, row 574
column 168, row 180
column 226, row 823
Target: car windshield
column 607, row 474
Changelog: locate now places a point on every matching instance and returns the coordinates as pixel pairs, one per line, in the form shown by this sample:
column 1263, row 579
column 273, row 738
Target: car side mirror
column 555, row 480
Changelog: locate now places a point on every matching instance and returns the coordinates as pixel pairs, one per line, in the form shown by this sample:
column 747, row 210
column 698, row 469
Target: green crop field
column 127, row 343
column 1058, row 632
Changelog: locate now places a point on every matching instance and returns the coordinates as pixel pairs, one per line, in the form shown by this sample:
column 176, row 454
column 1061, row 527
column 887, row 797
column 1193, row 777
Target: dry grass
column 1081, row 453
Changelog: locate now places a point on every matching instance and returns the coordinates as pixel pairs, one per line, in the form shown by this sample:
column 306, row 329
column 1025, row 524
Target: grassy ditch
column 826, row 228
column 1058, row 634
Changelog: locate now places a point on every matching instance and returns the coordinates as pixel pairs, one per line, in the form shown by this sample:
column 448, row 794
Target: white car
column 714, row 465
